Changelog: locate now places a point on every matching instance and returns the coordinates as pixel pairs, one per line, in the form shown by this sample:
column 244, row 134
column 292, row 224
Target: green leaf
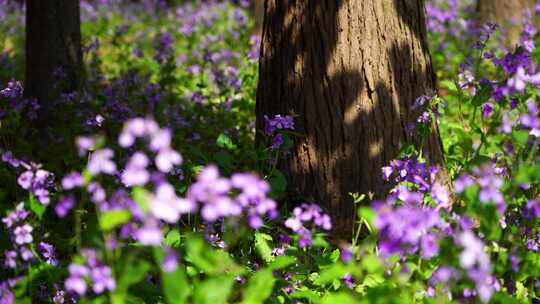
column 225, row 142
column 36, row 207
column 373, row 280
column 371, row 263
column 278, row 182
column 140, row 196
column 225, row 160
column 263, row 249
column 259, row 287
column 112, row 219
column 172, row 238
column 336, row 271
column 310, row 295
column 367, row 214
column 482, row 95
column 209, row 260
column 450, row 85
column 282, row 261
column 133, row 271
column 521, row 137
column 214, row 290
column 176, row 287
column 342, row 297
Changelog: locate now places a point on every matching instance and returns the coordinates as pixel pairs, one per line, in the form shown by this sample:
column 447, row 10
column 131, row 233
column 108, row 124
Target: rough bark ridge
column 507, row 13
column 53, row 49
column 350, row 70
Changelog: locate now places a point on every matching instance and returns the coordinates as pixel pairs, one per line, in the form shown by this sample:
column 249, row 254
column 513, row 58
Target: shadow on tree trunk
column 350, row 70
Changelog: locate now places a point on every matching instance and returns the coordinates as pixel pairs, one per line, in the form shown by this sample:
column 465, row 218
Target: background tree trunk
column 351, row 71
column 53, row 50
column 508, row 13
column 257, row 6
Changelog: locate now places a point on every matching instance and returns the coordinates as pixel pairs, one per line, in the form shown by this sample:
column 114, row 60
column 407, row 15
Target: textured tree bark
column 53, row 50
column 508, row 13
column 257, row 6
column 350, row 70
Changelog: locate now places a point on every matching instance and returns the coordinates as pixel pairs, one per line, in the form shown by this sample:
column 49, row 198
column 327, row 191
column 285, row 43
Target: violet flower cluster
column 217, row 198
column 305, row 218
column 13, row 92
column 93, row 271
column 21, row 233
column 489, row 179
column 275, row 124
column 414, row 180
column 407, row 230
column 34, row 179
column 213, row 193
column 477, row 264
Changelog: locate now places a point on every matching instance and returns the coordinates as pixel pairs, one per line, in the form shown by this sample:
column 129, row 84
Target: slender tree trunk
column 53, row 50
column 508, row 13
column 350, row 70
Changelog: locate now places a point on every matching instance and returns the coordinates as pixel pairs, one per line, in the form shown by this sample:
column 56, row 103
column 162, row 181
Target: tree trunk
column 508, row 13
column 350, row 70
column 257, row 7
column 53, row 50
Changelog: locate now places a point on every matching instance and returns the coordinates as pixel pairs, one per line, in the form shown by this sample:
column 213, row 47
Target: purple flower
column 443, row 275
column 135, row 173
column 23, row 234
column 150, row 235
column 518, row 81
column 530, row 120
column 10, row 259
column 59, row 297
column 10, row 159
column 429, row 246
column 277, row 141
column 462, row 182
column 64, row 205
column 165, row 205
column 487, row 109
column 98, row 194
column 167, row 159
column 47, row 251
column 309, row 215
column 13, row 90
column 348, row 281
column 25, row 179
column 475, row 260
column 440, row 195
column 532, row 209
column 72, row 180
column 26, row 254
column 76, row 281
column 163, row 44
column 101, row 162
column 490, row 184
column 278, row 122
column 408, row 229
column 514, row 261
column 85, row 144
column 102, row 279
column 160, row 140
column 346, row 254
column 15, row 216
column 193, row 69
column 170, row 262
column 6, row 296
column 278, row 251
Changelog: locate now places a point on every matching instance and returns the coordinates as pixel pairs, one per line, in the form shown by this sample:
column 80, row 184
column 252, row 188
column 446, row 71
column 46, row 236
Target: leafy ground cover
column 151, row 190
